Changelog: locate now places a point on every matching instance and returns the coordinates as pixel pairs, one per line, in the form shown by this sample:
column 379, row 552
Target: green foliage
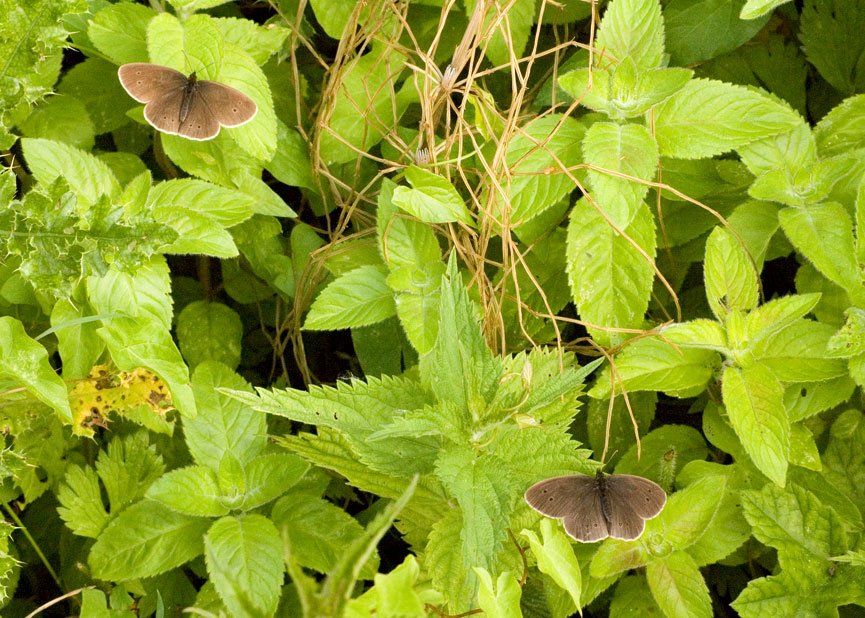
column 372, row 310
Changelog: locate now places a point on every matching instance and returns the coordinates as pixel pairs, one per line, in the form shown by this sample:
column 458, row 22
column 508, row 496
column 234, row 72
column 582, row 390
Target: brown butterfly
column 597, row 507
column 185, row 106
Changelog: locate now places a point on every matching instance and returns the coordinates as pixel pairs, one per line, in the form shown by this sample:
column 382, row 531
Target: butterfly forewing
column 560, row 495
column 164, row 113
column 231, row 107
column 147, row 82
column 586, row 523
column 199, row 123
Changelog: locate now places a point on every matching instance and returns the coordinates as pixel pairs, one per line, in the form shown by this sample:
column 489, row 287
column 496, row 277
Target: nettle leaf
column 365, row 105
column 89, row 177
column 432, row 198
column 357, row 298
column 535, row 159
column 678, row 587
column 823, row 233
column 244, row 561
column 225, row 424
column 755, row 405
column 629, row 150
column 653, row 364
column 144, row 540
column 731, row 281
column 707, row 117
column 26, row 362
column 484, row 490
column 190, row 491
column 555, row 557
column 447, row 567
column 318, row 532
column 633, row 28
column 610, row 292
column 831, row 38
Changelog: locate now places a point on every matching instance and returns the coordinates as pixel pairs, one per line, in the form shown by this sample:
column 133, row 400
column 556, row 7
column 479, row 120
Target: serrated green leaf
column 87, row 176
column 778, row 313
column 840, row 131
column 358, row 298
column 797, row 353
column 754, row 401
column 81, row 502
column 269, row 476
column 431, row 199
column 209, row 331
column 757, row 8
column 190, row 491
column 226, row 206
column 144, row 540
column 629, row 150
column 612, row 293
column 633, row 28
column 633, row 598
column 127, row 467
column 806, row 399
column 664, row 451
column 403, row 241
column 701, row 333
column 731, row 282
column 120, row 31
column 706, row 118
column 678, row 587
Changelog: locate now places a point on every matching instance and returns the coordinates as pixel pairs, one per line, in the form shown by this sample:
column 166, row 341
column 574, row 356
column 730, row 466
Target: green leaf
column 664, row 451
column 226, row 206
column 269, row 476
column 844, row 459
column 483, row 489
column 501, row 600
column 127, row 468
column 798, row 353
column 446, row 567
column 24, row 361
column 365, row 105
column 144, row 540
column 758, row 8
column 706, row 118
column 244, row 561
column 754, row 401
column 703, row 29
column 612, row 293
column 823, row 233
column 189, row 491
column 831, row 35
column 806, row 399
column 318, row 531
column 689, row 512
column 62, row 118
column 678, row 587
column 535, row 157
column 633, row 28
column 511, row 35
column 87, row 176
column 81, row 506
column 701, row 333
column 120, row 31
column 632, row 598
column 402, row 241
column 629, row 150
column 209, row 332
column 791, row 595
column 290, row 163
column 731, row 282
column 432, row 199
column 777, row 314
column 840, row 131
column 555, row 557
column 358, row 298
column 227, row 426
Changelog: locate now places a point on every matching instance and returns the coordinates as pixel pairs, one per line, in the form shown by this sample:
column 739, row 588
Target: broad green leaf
column 244, row 561
column 823, row 233
column 396, row 592
column 632, row 598
column 678, row 587
column 269, row 476
column 535, row 157
column 483, row 488
column 358, row 298
column 224, row 424
column 844, row 459
column 259, row 136
column 209, row 331
column 555, row 557
column 365, row 105
column 120, row 31
column 794, row 595
column 653, row 364
column 290, row 163
column 629, row 150
column 755, row 405
column 610, row 292
column 842, row 130
column 778, row 313
column 731, row 282
column 227, row 206
column 830, row 32
column 664, row 451
column 850, row 338
column 94, row 82
column 87, row 176
column 197, row 233
column 633, row 28
column 689, row 512
column 702, row 29
column 806, row 399
column 446, row 567
column 788, row 152
column 25, row 362
column 758, row 8
column 61, row 118
column 803, row 449
column 144, row 540
column 403, row 241
column 334, row 17
column 189, row 491
column 259, row 41
column 700, row 333
column 318, row 531
column 431, row 199
column 798, row 353
column 511, row 33
column 501, row 600
column 707, row 117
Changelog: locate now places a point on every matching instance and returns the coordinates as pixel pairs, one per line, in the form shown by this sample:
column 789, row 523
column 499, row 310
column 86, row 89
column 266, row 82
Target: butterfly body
column 186, row 106
column 594, row 508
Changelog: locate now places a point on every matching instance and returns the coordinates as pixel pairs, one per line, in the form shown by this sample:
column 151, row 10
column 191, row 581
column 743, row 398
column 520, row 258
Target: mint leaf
column 731, row 282
column 555, row 558
column 678, row 586
column 358, row 298
column 432, row 198
column 190, row 491
column 831, row 35
column 633, row 28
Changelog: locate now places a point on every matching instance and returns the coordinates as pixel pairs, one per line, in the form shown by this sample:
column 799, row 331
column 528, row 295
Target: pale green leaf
column 758, row 8
column 358, row 298
column 633, row 28
column 555, row 557
column 501, row 600
column 190, row 491
column 731, row 281
column 120, row 31
column 87, row 176
column 678, row 587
